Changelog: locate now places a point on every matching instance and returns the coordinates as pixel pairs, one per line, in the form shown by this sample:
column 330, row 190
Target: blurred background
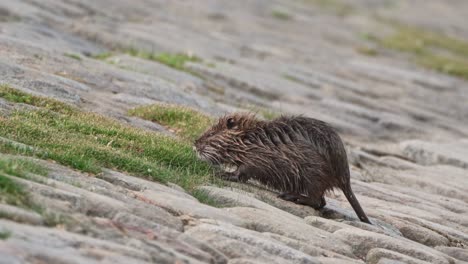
column 387, row 70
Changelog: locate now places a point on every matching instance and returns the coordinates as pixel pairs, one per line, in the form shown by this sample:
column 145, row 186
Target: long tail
column 348, row 192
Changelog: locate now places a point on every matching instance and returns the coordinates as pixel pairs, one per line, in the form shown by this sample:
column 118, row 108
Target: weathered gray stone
column 456, row 235
column 247, row 261
column 324, row 260
column 389, row 261
column 137, row 184
column 377, row 255
column 178, row 204
column 217, row 256
column 58, row 245
column 20, row 215
column 420, row 234
column 426, row 153
column 325, row 224
column 236, row 242
column 248, row 195
column 305, row 247
column 457, row 253
column 363, row 241
column 232, row 197
column 293, row 227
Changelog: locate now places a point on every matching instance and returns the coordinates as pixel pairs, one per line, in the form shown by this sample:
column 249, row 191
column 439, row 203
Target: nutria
column 299, row 156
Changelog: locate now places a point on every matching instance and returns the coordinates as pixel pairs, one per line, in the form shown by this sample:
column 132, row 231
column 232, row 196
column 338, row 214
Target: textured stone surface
column 20, row 215
column 363, row 241
column 237, row 243
column 457, row 253
column 427, row 153
column 379, row 255
column 405, row 129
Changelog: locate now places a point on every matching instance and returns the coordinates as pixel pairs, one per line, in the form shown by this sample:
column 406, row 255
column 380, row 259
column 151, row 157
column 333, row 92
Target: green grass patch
column 10, row 191
column 185, row 122
column 73, row 56
column 205, row 198
column 281, row 14
column 173, row 60
column 17, row 96
column 20, row 167
column 88, row 142
column 432, row 50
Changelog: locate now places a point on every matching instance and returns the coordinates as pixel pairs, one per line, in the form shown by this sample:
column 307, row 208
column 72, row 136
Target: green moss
column 210, row 65
column 430, row 49
column 5, row 234
column 174, row 60
column 367, row 51
column 88, row 142
column 73, row 56
column 281, row 14
column 186, row 122
column 337, row 7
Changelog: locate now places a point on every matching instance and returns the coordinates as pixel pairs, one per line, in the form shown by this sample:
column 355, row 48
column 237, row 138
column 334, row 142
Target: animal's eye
column 230, row 123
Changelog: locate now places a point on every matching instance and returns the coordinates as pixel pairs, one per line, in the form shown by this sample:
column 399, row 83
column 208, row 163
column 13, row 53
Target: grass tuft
column 174, row 60
column 10, row 191
column 20, row 167
column 73, row 56
column 184, row 121
column 88, row 142
column 102, row 56
column 281, row 14
column 205, row 198
column 430, row 49
column 17, row 96
column 367, row 51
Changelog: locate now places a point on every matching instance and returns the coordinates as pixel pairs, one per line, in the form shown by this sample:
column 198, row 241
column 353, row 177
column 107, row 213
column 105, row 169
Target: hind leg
column 316, row 203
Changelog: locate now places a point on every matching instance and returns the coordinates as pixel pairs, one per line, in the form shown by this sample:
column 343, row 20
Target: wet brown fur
column 301, row 157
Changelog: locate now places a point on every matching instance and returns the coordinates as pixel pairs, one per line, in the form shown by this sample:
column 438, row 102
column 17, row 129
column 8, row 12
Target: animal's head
column 224, row 142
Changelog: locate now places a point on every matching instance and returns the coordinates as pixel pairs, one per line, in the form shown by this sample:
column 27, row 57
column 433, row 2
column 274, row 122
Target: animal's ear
column 231, row 123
